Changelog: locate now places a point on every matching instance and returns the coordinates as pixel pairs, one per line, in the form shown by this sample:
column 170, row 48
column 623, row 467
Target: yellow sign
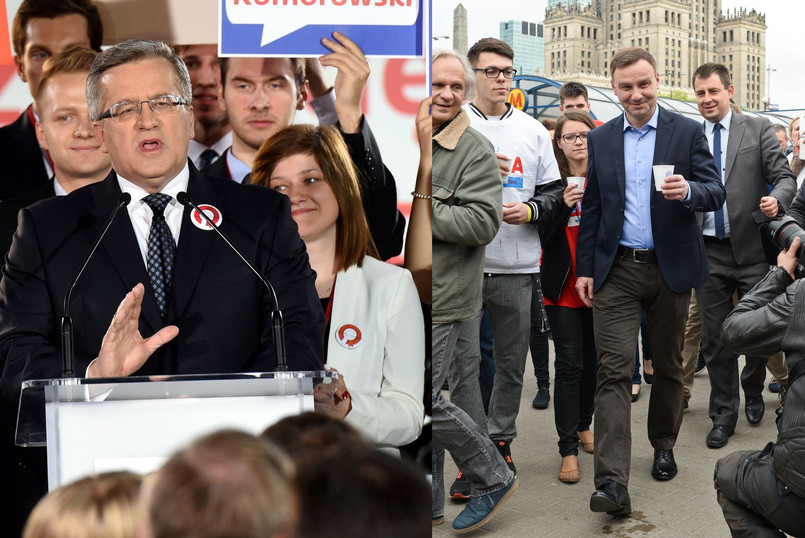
column 517, row 98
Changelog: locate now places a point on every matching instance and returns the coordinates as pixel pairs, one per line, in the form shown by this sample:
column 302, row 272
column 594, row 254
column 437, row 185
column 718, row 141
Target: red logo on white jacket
column 349, row 336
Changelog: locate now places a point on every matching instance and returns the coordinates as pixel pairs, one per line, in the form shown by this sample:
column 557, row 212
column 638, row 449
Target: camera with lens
column 782, row 233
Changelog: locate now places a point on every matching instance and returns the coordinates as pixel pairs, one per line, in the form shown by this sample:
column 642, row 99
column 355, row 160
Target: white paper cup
column 662, row 171
column 577, row 181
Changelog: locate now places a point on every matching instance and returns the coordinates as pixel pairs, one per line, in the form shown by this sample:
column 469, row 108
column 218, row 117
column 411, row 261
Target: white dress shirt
column 709, row 223
column 141, row 214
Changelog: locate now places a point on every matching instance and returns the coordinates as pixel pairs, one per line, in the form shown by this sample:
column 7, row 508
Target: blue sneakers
column 480, row 510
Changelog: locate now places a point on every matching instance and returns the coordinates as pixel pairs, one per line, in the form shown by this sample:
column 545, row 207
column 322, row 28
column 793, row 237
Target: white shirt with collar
column 58, row 190
column 195, row 149
column 141, row 214
column 709, row 223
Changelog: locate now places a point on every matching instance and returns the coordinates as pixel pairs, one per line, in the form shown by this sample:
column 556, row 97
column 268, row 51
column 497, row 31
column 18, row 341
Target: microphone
column 277, row 323
column 67, row 349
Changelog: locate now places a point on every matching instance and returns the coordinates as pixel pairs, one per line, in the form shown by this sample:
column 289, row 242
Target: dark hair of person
column 311, row 436
column 51, row 9
column 489, row 44
column 704, row 71
column 353, row 239
column 570, row 90
column 548, row 124
column 372, row 495
column 561, row 159
column 628, row 56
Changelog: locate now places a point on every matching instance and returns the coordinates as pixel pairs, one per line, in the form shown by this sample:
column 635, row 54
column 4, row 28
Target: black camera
column 782, row 233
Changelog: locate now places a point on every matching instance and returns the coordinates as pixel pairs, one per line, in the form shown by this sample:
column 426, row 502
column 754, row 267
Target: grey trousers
column 756, row 504
column 453, row 430
column 618, row 306
column 508, row 300
column 715, row 298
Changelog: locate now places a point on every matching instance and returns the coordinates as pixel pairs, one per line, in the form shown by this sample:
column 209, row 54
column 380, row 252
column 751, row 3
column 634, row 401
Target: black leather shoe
column 611, row 498
column 700, row 364
column 664, row 467
column 754, row 410
column 719, row 436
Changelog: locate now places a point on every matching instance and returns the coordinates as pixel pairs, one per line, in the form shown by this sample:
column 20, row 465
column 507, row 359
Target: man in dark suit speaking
column 638, row 249
column 190, row 305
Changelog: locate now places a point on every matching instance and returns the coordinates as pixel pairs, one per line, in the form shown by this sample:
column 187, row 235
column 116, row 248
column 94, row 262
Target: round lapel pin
column 349, row 336
column 212, row 213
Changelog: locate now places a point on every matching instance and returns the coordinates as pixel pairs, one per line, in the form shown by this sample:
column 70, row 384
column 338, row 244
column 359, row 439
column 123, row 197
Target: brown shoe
column 587, row 441
column 569, row 471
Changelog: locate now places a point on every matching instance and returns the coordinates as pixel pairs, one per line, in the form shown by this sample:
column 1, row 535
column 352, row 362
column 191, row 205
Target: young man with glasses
column 197, row 309
column 532, row 190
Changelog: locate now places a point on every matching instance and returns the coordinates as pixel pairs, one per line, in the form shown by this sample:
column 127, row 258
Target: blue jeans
column 453, row 430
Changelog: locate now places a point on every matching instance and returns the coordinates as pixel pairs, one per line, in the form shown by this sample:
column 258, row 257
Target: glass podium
column 136, row 423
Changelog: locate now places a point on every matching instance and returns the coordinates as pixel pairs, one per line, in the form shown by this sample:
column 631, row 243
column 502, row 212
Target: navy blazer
column 219, row 305
column 677, row 236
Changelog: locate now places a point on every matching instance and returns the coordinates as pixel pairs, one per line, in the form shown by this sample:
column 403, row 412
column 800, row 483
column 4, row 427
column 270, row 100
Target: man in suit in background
column 41, row 29
column 213, row 135
column 747, row 154
column 640, row 249
column 194, row 309
column 64, row 129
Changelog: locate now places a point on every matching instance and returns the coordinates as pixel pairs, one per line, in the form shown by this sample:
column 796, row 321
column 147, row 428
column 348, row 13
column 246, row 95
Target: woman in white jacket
column 375, row 333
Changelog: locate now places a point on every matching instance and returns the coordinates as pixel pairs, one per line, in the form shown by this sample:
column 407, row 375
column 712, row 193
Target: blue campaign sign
column 391, row 28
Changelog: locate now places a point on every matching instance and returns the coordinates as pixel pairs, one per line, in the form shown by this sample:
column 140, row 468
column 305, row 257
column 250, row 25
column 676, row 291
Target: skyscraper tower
column 460, row 30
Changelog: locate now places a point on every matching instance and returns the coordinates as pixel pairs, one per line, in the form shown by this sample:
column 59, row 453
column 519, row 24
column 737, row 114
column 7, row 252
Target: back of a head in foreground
column 228, row 483
column 100, row 506
column 369, row 495
column 310, row 437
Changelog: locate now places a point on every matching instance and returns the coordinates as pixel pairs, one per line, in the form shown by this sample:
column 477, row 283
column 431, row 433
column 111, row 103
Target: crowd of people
column 154, row 130
column 612, row 225
column 564, row 229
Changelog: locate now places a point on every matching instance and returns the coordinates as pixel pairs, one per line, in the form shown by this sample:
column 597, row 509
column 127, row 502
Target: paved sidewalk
column 685, row 506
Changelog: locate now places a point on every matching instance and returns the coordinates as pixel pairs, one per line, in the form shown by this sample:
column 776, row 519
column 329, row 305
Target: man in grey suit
column 748, row 156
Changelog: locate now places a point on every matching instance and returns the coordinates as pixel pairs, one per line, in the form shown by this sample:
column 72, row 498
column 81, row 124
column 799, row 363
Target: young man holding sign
column 262, row 95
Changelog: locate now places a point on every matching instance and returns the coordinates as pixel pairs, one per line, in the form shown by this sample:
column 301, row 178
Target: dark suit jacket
column 9, row 210
column 218, row 168
column 220, row 307
column 378, row 190
column 754, row 161
column 677, row 236
column 23, row 168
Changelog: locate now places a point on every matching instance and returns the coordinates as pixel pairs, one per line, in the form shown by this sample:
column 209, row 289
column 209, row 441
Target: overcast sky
column 784, row 25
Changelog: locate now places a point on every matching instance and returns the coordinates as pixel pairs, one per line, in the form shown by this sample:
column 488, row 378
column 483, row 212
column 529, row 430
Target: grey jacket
column 768, row 319
column 467, row 211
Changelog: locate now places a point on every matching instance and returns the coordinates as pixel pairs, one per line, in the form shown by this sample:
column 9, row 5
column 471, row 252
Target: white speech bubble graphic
column 282, row 17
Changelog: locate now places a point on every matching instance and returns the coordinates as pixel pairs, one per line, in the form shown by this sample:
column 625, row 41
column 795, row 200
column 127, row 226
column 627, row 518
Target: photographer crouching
column 763, row 492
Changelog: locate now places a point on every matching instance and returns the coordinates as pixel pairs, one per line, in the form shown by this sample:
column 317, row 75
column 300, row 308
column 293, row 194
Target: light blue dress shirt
column 638, row 158
column 237, row 168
